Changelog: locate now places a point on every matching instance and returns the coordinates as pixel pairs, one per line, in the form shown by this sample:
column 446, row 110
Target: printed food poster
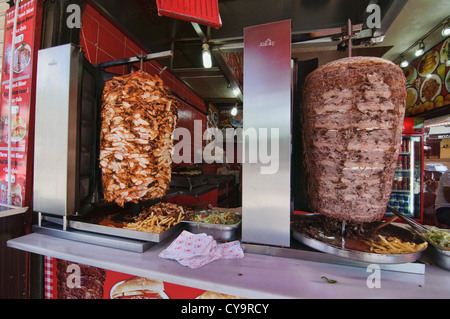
column 69, row 280
column 428, row 80
column 21, row 95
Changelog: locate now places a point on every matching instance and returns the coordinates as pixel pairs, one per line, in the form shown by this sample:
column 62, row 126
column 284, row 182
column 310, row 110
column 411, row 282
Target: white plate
column 447, row 82
column 445, row 52
column 433, row 54
column 412, row 92
column 412, row 74
column 438, row 91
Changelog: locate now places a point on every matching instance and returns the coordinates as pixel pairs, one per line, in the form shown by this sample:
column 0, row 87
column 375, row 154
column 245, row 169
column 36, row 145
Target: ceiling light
column 234, row 111
column 404, row 63
column 420, row 50
column 206, row 56
column 236, row 91
column 446, row 30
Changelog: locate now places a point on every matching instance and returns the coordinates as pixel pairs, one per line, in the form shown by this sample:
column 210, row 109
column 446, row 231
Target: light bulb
column 446, row 31
column 234, row 111
column 206, row 56
column 420, row 50
column 404, row 64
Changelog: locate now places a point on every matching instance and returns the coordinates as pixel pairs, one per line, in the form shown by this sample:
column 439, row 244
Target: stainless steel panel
column 267, row 106
column 56, row 230
column 56, row 138
column 316, row 256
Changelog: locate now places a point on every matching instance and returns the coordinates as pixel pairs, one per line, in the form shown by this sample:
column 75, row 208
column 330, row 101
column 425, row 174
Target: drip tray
column 306, row 253
column 56, row 230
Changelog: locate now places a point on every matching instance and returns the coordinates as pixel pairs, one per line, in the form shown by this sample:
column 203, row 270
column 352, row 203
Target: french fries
column 154, row 224
column 393, row 245
column 157, row 218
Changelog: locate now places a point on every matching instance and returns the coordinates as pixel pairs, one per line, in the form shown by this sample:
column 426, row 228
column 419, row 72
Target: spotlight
column 234, row 111
column 420, row 50
column 206, row 56
column 446, row 30
column 404, row 63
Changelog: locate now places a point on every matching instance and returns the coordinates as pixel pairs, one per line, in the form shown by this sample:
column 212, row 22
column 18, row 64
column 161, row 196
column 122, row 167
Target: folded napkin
column 196, row 250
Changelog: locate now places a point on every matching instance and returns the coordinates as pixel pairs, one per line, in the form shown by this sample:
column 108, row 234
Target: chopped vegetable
column 440, row 237
column 216, row 217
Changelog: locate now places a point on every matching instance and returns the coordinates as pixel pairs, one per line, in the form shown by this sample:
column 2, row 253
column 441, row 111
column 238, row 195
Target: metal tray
column 126, row 233
column 440, row 255
column 360, row 255
column 442, row 258
column 218, row 232
column 357, row 255
column 91, row 215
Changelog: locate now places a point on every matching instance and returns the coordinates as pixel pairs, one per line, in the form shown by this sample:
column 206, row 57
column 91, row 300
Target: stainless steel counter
column 278, row 274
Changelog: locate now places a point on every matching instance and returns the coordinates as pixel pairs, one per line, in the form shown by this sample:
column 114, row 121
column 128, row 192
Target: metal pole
column 350, row 32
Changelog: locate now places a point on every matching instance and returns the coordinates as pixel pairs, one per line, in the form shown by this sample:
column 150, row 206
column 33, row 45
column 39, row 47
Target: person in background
column 442, row 203
column 429, row 199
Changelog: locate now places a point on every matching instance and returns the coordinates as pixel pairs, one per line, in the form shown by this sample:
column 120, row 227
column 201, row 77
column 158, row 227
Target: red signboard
column 68, row 280
column 201, row 11
column 22, row 52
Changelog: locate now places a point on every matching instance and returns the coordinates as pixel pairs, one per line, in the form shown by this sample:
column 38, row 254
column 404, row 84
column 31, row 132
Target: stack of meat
column 138, row 118
column 353, row 112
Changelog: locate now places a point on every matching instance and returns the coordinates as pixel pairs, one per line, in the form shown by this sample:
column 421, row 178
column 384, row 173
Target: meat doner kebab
column 353, row 116
column 138, row 116
column 353, row 111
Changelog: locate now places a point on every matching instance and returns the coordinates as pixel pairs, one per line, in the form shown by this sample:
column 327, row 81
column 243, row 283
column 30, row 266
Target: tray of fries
column 153, row 224
column 392, row 244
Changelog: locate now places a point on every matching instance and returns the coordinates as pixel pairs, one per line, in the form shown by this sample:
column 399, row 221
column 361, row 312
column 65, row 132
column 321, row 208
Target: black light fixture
column 342, row 46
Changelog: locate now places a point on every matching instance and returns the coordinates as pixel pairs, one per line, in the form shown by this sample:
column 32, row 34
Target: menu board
column 428, row 80
column 21, row 96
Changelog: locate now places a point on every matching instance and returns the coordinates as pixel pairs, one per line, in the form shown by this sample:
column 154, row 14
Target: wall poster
column 428, row 80
column 22, row 52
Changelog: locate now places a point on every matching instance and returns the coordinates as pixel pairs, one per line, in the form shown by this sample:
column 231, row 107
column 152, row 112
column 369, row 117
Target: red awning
column 201, row 11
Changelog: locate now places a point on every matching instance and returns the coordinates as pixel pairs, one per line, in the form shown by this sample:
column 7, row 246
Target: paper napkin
column 196, row 250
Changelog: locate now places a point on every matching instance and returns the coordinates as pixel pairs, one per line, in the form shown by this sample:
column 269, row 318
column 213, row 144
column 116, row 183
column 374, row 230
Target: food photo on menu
column 428, row 80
